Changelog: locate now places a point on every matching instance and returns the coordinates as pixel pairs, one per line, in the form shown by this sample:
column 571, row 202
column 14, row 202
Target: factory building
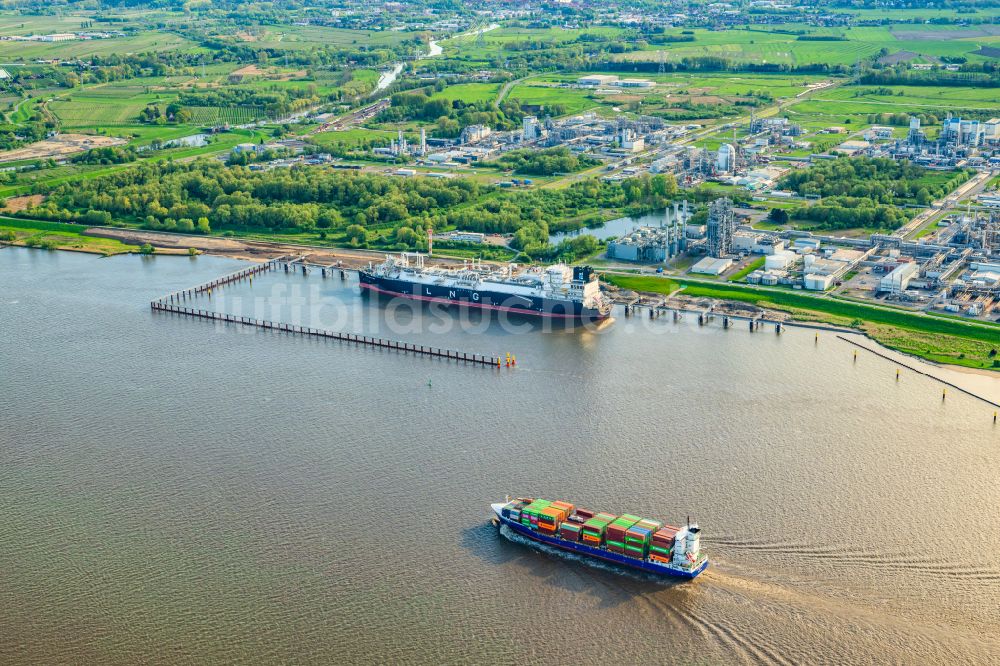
column 654, row 244
column 712, row 266
column 721, row 227
column 530, row 129
column 780, row 260
column 597, row 80
column 896, row 281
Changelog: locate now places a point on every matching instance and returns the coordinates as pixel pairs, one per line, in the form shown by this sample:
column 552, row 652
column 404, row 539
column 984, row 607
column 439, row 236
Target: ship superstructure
column 559, row 290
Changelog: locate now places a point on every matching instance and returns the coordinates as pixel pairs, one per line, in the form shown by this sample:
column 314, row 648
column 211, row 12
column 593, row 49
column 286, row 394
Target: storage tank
column 726, row 159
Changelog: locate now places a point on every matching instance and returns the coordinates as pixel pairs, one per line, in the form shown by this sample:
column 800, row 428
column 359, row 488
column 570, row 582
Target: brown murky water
column 179, row 492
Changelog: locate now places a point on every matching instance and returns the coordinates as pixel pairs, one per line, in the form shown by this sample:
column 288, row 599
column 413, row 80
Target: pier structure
column 478, row 359
column 172, row 303
column 238, row 276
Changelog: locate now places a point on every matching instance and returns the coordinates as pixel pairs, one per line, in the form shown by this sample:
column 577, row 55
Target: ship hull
column 485, row 299
column 665, row 570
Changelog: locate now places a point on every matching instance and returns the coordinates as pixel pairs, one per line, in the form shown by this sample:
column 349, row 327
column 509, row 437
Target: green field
column 55, row 236
column 850, row 106
column 469, row 92
column 493, row 41
column 140, row 43
column 573, row 101
column 671, row 91
column 306, row 37
column 775, row 44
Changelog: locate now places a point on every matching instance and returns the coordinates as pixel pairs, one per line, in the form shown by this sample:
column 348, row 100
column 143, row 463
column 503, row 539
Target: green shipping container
column 657, row 549
column 616, row 543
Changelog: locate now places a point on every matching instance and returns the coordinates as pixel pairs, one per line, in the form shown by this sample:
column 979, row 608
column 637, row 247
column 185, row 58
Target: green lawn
column 55, row 236
column 747, row 270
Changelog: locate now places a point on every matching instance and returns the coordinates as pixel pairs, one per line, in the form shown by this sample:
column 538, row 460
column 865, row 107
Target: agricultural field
column 571, row 101
column 853, row 104
column 97, row 108
column 465, row 45
column 306, row 37
column 672, row 91
column 68, row 50
column 39, row 25
column 469, row 92
column 777, row 44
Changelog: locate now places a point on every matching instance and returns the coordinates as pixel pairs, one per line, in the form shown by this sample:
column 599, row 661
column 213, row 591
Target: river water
column 176, row 491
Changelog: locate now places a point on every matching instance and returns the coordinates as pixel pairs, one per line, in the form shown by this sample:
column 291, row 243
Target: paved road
column 967, row 189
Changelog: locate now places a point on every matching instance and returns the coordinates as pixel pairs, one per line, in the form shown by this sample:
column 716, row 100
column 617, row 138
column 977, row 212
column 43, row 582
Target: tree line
column 881, row 180
column 361, row 208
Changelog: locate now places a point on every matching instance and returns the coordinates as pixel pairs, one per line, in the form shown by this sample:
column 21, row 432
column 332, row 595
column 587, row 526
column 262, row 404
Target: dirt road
column 249, row 250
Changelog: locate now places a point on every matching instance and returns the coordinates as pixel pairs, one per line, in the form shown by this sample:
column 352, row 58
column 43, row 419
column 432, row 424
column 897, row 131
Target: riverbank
column 936, row 339
column 57, row 236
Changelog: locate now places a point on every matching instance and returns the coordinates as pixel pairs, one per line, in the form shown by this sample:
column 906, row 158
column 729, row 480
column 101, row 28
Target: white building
column 712, row 266
column 631, row 142
column 804, row 245
column 817, row 266
column 529, row 128
column 597, row 80
column 743, row 241
column 634, row 83
column 779, row 260
column 817, row 282
column 768, row 245
column 474, row 133
column 896, row 281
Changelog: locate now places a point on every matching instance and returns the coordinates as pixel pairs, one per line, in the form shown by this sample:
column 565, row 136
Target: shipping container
column 664, row 537
column 565, row 506
column 570, row 531
column 620, row 525
column 651, row 525
column 638, row 535
column 584, row 513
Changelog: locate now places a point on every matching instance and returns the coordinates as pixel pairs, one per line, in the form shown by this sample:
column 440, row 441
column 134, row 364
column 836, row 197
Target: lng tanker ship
column 639, row 543
column 557, row 291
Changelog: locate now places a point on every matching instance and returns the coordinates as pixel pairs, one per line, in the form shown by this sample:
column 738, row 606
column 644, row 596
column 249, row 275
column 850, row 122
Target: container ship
column 631, row 541
column 557, row 291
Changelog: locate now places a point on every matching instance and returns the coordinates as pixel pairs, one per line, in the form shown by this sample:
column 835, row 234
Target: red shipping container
column 569, row 535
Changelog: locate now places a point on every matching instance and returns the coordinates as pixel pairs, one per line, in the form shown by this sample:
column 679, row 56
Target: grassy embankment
column 944, row 340
column 56, row 236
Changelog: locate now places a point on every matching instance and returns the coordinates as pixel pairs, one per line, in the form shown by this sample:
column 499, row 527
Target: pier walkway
column 172, row 303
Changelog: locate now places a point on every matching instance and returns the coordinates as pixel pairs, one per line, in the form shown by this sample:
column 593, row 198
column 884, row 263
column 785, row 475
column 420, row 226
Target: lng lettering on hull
column 639, row 543
column 557, row 291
